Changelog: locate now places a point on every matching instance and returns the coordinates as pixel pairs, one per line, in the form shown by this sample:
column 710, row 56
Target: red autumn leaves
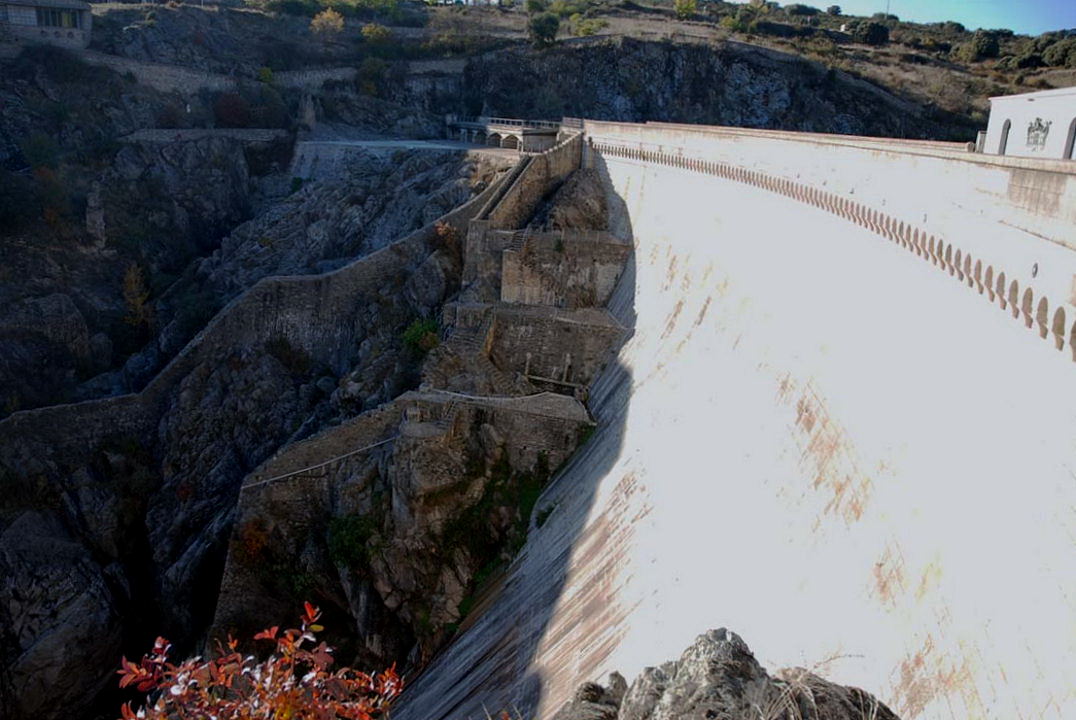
column 294, row 683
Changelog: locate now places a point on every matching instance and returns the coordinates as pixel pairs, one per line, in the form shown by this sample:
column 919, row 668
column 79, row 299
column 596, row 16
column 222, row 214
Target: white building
column 57, row 22
column 1039, row 124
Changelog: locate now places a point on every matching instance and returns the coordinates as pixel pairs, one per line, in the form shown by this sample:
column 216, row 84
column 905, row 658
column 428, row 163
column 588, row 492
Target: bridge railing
column 507, row 122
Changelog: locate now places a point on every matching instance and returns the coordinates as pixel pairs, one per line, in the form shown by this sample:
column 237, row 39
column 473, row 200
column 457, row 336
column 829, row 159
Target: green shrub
column 265, row 75
column 870, row 33
column 981, row 46
column 833, row 10
column 685, row 9
column 567, row 8
column 349, row 539
column 543, row 29
column 371, row 75
column 535, row 6
column 327, row 23
column 798, row 9
column 584, row 27
column 375, row 34
column 421, row 336
column 1022, row 61
column 296, row 184
column 1061, row 53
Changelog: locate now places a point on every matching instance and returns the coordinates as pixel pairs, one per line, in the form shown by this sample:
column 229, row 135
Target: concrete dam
column 842, row 426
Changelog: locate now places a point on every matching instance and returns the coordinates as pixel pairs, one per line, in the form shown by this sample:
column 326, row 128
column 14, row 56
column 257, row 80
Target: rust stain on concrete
column 929, row 579
column 925, row 676
column 670, row 276
column 702, row 312
column 826, row 454
column 888, row 573
column 670, row 322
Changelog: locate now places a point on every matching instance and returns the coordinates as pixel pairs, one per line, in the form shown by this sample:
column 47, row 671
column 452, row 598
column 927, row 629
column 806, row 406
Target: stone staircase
column 448, row 415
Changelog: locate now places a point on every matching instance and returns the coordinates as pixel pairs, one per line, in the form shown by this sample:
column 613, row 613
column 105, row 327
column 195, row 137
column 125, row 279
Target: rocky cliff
column 718, row 678
column 722, row 84
column 132, row 498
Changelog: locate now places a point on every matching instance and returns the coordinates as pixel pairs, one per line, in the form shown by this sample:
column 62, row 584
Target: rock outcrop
column 726, row 84
column 399, row 519
column 141, row 488
column 718, row 678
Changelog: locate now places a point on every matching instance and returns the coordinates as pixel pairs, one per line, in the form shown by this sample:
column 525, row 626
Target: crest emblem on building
column 1037, row 131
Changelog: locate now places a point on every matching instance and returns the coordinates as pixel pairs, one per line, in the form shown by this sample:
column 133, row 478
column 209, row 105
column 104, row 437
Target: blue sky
column 1029, row 17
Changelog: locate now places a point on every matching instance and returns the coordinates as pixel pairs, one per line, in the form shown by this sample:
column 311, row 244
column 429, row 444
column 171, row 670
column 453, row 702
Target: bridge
column 522, row 135
column 842, row 427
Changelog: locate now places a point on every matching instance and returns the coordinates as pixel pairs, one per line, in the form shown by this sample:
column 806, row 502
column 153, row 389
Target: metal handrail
column 507, row 122
column 318, row 466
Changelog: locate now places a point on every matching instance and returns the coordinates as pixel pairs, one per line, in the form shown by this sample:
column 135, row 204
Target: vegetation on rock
column 543, row 29
column 421, row 336
column 296, row 680
column 327, row 23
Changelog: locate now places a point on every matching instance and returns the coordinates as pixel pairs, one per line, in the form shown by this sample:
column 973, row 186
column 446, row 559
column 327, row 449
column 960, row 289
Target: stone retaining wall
column 542, row 174
column 562, row 270
column 166, row 78
column 558, row 345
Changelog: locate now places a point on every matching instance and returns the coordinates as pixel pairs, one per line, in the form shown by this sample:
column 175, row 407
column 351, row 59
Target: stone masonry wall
column 166, row 78
column 562, row 271
column 566, row 346
column 544, row 172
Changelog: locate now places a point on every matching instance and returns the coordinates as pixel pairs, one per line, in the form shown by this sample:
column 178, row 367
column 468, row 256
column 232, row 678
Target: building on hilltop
column 56, row 22
column 1039, row 124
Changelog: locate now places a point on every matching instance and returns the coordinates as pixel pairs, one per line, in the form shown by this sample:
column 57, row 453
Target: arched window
column 1003, row 143
column 1070, row 142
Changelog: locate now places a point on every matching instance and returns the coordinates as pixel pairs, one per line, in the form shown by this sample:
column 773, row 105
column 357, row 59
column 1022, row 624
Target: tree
column 1061, row 54
column 833, row 10
column 327, row 23
column 685, row 8
column 535, row 6
column 371, row 75
column 543, row 29
column 982, row 45
column 375, row 34
column 871, row 33
column 295, row 681
column 798, row 9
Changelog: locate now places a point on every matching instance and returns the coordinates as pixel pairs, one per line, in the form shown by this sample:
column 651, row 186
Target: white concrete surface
column 816, row 438
column 1039, row 124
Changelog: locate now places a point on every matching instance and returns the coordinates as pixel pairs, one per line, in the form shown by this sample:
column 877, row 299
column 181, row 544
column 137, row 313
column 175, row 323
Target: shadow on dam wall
column 494, row 664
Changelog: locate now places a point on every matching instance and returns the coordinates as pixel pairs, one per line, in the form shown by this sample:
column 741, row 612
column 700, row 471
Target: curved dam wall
column 836, row 430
